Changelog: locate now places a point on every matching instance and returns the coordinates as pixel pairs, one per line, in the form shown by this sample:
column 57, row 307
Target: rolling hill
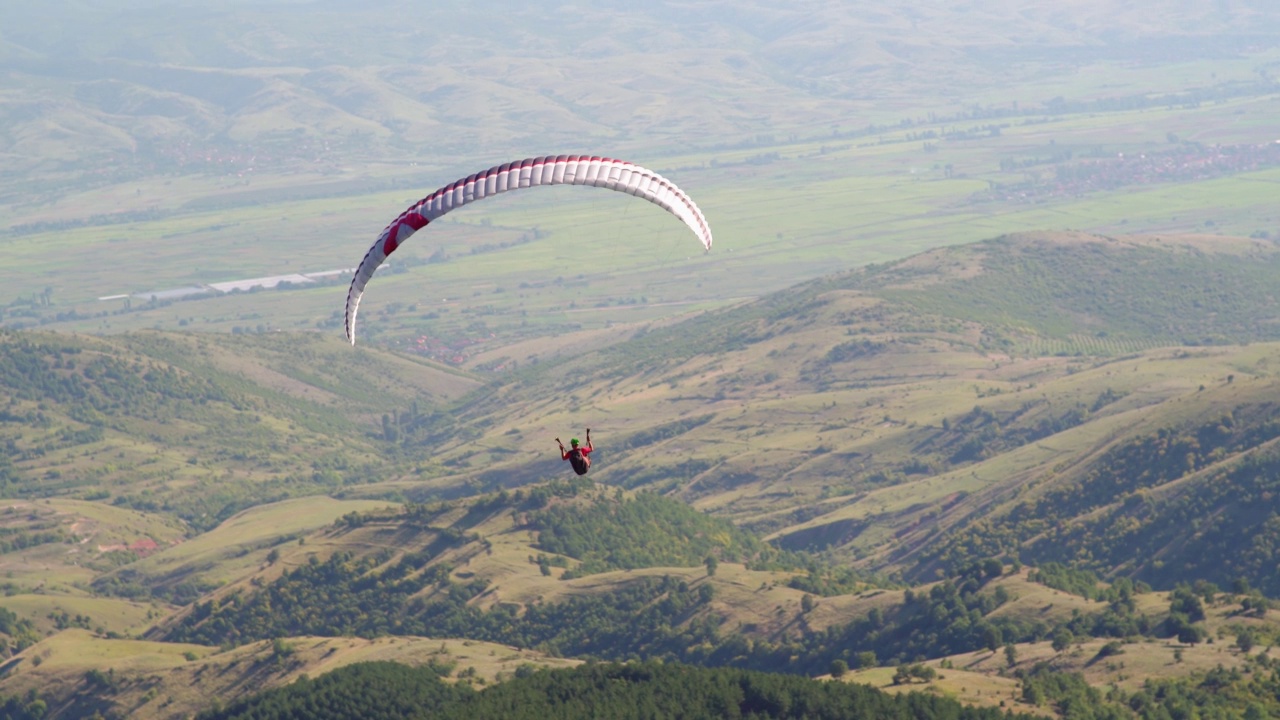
column 1063, row 444
column 874, row 410
column 879, row 411
column 200, row 427
column 906, row 437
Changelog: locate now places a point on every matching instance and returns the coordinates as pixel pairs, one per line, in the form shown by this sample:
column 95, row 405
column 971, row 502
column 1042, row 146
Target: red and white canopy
column 531, row 172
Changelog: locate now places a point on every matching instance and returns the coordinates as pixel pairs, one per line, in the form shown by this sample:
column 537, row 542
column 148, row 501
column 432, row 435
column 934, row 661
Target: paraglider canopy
column 593, row 171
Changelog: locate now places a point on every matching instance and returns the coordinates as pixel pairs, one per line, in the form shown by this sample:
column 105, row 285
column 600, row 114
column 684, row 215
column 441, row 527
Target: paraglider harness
column 577, row 456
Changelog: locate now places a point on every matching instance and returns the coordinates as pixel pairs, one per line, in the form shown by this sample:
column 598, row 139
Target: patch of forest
column 345, row 597
column 981, row 433
column 378, row 690
column 388, row 690
column 948, row 618
column 648, row 530
column 1231, row 513
column 646, row 618
column 1250, row 692
column 1128, row 514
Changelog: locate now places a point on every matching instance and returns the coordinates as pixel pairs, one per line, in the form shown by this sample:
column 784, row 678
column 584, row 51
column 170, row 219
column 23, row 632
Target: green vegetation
column 906, row 674
column 1060, row 577
column 829, row 580
column 387, row 690
column 29, row 707
column 174, row 424
column 1248, row 693
column 20, row 632
column 951, row 618
column 1124, row 520
column 342, row 596
column 1067, row 289
column 376, row 690
column 645, row 531
column 645, row 618
column 981, row 434
column 975, row 461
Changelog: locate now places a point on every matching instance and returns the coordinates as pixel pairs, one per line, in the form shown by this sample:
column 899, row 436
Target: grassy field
column 80, row 536
column 171, row 680
column 238, row 547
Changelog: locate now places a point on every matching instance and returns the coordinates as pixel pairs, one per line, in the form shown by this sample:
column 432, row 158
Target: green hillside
column 1128, row 511
column 854, row 472
column 876, row 411
column 880, row 412
column 201, row 427
column 79, row 673
column 1095, row 295
column 593, row 691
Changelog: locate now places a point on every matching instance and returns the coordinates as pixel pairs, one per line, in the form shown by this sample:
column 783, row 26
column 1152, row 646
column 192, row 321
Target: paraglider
column 578, row 457
column 594, row 171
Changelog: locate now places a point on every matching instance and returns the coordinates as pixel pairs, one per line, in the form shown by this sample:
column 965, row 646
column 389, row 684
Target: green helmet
column 573, row 442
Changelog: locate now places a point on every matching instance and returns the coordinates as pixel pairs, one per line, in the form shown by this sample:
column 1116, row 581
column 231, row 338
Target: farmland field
column 559, row 260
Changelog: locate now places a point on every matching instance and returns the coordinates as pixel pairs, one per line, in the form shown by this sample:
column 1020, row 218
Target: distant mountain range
column 172, row 86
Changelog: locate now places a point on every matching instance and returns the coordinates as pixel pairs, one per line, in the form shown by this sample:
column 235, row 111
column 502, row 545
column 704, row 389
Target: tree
column 1206, row 590
column 991, row 636
column 838, row 668
column 1190, row 634
column 807, row 603
column 1011, row 654
column 1255, row 604
column 712, row 563
column 1244, row 641
column 706, row 593
column 910, row 673
column 1062, row 639
column 1185, row 601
